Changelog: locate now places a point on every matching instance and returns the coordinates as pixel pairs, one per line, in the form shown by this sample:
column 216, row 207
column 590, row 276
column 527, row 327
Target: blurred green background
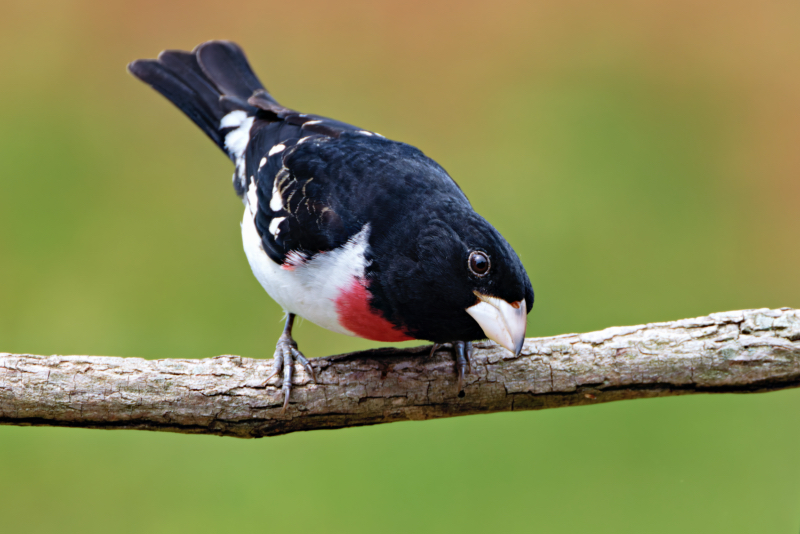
column 642, row 157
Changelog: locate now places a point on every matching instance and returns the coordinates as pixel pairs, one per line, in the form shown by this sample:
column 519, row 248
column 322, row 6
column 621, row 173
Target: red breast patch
column 356, row 314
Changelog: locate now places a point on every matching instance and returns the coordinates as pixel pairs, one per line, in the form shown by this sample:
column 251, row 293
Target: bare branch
column 738, row 352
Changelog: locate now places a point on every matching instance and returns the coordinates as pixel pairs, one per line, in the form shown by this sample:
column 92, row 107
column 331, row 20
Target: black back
column 313, row 183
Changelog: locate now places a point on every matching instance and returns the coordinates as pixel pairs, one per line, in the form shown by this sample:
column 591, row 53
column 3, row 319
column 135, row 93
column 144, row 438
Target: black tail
column 216, row 88
column 206, row 83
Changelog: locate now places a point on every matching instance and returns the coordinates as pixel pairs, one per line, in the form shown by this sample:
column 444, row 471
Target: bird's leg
column 285, row 355
column 462, row 350
column 463, row 354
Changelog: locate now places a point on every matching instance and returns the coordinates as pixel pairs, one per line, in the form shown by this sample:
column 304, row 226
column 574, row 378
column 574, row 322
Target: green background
column 642, row 157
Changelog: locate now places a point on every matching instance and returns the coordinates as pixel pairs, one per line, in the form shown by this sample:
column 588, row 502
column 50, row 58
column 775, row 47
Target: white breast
column 310, row 289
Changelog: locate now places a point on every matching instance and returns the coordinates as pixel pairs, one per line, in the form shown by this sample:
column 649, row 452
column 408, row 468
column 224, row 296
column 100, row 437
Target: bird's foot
column 285, row 355
column 462, row 350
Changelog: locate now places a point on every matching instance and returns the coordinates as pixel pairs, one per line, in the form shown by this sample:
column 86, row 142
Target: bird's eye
column 479, row 263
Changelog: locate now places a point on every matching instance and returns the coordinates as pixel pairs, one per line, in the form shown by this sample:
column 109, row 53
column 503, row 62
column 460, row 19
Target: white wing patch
column 277, row 148
column 233, row 119
column 251, row 199
column 276, row 202
column 236, row 141
column 273, row 226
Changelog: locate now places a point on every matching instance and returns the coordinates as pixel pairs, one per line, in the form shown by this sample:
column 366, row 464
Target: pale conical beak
column 501, row 321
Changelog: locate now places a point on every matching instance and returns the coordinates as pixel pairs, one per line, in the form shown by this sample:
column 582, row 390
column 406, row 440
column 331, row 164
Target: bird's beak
column 501, row 321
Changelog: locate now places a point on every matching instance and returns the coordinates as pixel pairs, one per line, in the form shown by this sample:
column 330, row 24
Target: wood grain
column 732, row 352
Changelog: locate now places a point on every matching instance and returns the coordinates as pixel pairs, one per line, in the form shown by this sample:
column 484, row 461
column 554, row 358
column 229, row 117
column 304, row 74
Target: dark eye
column 479, row 263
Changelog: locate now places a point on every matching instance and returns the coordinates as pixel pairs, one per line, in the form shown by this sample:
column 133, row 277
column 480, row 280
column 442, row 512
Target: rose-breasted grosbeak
column 356, row 233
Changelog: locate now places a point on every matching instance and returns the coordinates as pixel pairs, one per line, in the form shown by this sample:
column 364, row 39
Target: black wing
column 319, row 191
column 312, row 182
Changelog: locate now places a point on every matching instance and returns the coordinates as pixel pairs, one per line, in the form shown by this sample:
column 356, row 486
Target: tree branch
column 733, row 352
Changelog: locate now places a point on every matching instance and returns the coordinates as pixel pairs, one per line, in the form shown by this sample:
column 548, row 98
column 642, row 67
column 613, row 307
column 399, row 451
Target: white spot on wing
column 276, row 202
column 252, row 198
column 303, row 140
column 237, row 140
column 273, row 226
column 311, row 123
column 364, row 132
column 262, row 163
column 277, row 148
column 233, row 119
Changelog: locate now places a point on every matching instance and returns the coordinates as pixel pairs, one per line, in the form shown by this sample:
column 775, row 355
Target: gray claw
column 287, row 389
column 463, row 353
column 277, row 366
column 462, row 350
column 286, row 354
column 305, row 363
column 461, row 363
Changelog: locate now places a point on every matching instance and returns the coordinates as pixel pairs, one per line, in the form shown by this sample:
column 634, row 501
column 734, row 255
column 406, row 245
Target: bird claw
column 462, row 350
column 286, row 354
column 463, row 353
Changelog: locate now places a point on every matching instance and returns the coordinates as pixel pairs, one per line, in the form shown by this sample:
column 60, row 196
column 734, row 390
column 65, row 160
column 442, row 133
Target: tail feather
column 216, row 88
column 227, row 67
column 206, row 84
column 185, row 66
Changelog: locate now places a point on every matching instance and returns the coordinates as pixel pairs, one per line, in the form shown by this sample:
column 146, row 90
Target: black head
column 454, row 274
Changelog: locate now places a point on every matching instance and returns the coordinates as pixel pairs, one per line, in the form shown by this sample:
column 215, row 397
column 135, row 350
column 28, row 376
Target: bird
column 357, row 233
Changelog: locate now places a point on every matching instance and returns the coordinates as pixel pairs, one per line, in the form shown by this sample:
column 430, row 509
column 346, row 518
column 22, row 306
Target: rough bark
column 733, row 352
